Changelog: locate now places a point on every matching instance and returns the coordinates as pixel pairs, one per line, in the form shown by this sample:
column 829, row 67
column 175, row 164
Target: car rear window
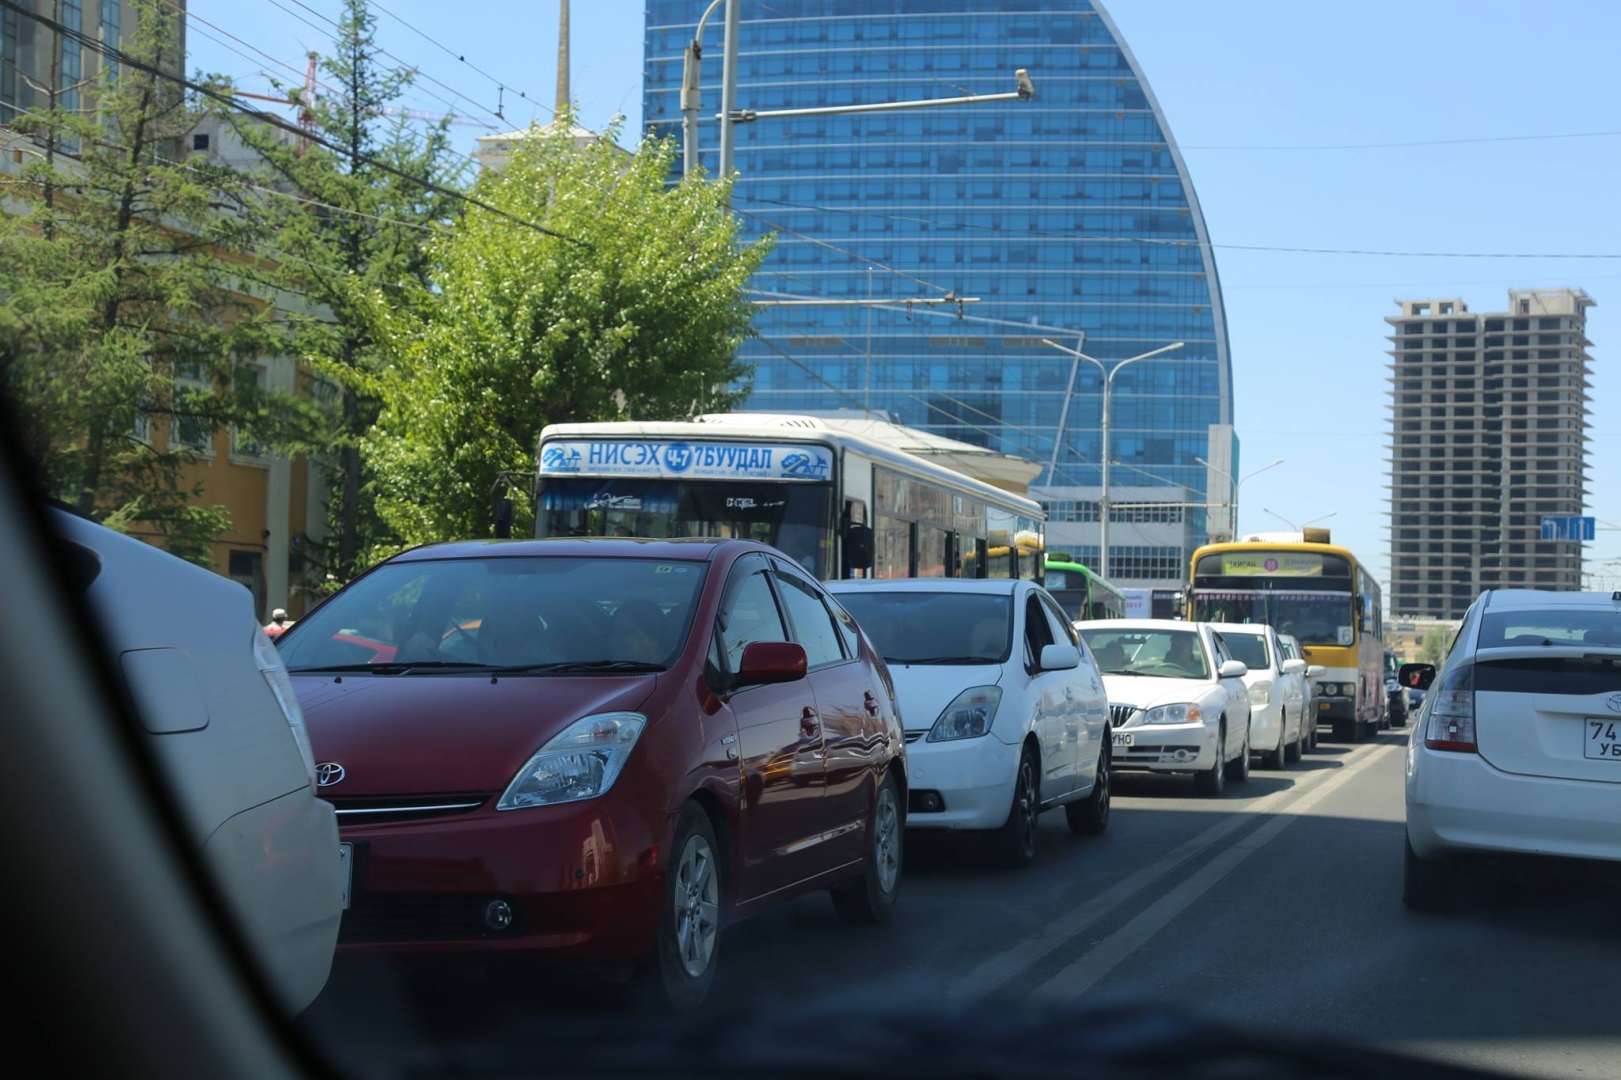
column 503, row 612
column 1166, row 654
column 1550, row 627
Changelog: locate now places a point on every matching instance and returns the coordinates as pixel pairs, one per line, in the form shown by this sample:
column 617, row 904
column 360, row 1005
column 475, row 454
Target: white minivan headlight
column 580, row 762
column 970, row 715
column 268, row 660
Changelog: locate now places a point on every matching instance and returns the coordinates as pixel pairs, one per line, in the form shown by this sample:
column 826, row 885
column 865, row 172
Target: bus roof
column 1058, row 562
column 812, row 430
column 1241, row 546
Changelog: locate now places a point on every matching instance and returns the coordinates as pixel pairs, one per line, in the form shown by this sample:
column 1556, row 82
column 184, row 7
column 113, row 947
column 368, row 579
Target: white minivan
column 1004, row 710
column 1517, row 747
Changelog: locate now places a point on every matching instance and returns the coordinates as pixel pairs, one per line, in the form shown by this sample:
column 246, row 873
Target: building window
column 188, row 428
column 247, row 568
column 111, row 28
column 241, row 443
column 70, row 58
column 8, row 65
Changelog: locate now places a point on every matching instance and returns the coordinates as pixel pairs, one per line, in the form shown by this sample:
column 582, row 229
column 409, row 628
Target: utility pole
column 728, row 90
column 868, row 403
column 563, row 98
column 1063, row 413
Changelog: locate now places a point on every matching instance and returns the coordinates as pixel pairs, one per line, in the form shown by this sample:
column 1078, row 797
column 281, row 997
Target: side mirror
column 766, row 662
column 858, row 546
column 1234, row 669
column 1316, row 671
column 1060, row 657
column 1416, row 676
column 1294, row 666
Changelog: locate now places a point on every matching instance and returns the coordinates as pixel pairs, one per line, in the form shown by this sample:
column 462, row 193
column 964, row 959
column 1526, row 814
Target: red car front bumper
column 580, row 883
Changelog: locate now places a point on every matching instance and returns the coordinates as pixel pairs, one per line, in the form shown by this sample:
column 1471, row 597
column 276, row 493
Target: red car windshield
column 504, row 613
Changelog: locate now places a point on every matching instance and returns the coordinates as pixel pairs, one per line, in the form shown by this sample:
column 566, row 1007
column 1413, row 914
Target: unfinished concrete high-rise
column 1488, row 435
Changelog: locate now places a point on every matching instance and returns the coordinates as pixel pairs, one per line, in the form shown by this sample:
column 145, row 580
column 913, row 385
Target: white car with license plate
column 1276, row 686
column 1177, row 700
column 218, row 714
column 1004, row 711
column 1517, row 748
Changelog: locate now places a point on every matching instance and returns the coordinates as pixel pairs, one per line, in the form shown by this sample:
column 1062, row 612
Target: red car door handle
column 809, row 721
column 872, row 704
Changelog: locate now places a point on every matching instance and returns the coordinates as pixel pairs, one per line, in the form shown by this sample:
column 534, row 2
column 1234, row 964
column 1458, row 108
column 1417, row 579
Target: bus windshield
column 794, row 517
column 1307, row 596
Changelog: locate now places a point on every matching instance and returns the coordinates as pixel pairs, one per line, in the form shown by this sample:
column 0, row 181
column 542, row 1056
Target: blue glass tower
column 1069, row 217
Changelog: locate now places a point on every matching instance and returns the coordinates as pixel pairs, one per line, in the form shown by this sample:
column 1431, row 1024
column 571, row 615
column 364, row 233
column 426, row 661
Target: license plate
column 1322, row 705
column 1124, row 738
column 345, row 861
column 1603, row 740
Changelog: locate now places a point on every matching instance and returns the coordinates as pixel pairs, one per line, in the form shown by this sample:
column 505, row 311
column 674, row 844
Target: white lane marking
column 987, row 977
column 1084, row 973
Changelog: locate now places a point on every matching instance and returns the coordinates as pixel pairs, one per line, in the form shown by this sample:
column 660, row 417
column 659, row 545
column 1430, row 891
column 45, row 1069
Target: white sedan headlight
column 268, row 660
column 1260, row 695
column 581, row 762
column 1175, row 714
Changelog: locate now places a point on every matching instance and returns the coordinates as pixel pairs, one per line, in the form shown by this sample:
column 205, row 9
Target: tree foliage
column 349, row 232
column 129, row 311
column 1432, row 647
column 631, row 307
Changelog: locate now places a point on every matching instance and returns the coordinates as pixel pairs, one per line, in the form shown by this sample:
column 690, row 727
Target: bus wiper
column 556, row 667
column 391, row 667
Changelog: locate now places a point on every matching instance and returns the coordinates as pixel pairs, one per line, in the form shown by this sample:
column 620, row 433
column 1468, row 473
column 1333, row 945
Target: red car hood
column 428, row 734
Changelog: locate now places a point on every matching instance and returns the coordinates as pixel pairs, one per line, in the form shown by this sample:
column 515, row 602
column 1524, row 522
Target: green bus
column 1080, row 592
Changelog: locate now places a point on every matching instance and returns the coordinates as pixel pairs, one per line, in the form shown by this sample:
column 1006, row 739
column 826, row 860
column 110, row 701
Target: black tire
column 1014, row 844
column 1310, row 720
column 1238, row 769
column 1426, row 885
column 1277, row 759
column 870, row 898
column 1090, row 817
column 1213, row 781
column 1297, row 749
column 684, row 899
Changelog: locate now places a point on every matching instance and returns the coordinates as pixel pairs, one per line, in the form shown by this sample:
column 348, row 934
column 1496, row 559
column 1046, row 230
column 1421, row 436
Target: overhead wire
column 225, row 99
column 500, row 84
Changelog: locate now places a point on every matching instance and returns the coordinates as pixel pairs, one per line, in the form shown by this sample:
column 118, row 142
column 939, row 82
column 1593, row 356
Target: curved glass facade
column 1068, row 217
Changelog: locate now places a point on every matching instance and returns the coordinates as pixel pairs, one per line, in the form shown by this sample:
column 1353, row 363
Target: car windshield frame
column 1112, row 633
column 446, row 595
column 853, row 601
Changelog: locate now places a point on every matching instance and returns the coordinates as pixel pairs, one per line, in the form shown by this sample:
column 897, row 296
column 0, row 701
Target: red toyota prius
column 598, row 750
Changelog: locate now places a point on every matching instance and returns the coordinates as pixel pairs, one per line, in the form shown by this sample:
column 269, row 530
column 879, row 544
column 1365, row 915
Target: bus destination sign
column 663, row 459
column 1270, row 563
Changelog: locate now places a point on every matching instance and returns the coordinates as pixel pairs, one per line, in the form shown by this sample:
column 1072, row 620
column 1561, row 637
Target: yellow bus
column 1308, row 587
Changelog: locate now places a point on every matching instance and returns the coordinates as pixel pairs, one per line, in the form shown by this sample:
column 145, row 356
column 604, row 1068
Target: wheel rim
column 886, row 842
column 1025, row 805
column 697, row 907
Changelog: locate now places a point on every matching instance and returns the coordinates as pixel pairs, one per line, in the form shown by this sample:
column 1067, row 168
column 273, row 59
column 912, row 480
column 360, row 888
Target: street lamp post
column 730, row 116
column 1236, row 484
column 1301, row 528
column 1108, row 374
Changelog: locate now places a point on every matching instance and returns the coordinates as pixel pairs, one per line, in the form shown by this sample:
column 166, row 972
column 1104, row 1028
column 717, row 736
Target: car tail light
column 1451, row 724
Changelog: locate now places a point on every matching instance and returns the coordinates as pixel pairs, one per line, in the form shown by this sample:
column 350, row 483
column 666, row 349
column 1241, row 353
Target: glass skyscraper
column 1070, row 217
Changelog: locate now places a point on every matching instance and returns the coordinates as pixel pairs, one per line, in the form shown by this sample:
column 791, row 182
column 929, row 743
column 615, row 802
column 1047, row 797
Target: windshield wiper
column 568, row 666
column 392, row 667
column 941, row 660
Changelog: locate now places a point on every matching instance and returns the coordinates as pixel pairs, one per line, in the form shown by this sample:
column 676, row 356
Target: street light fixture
column 730, row 116
column 1108, row 374
column 1236, row 484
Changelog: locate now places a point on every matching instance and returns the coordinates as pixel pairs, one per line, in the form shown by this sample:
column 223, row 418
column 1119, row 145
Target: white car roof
column 993, row 586
column 1523, row 599
column 1238, row 628
column 1137, row 624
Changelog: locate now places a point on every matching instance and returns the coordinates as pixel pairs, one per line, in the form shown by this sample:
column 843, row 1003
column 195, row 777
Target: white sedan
column 219, row 716
column 1517, row 747
column 1004, row 711
column 1277, row 698
column 1177, row 700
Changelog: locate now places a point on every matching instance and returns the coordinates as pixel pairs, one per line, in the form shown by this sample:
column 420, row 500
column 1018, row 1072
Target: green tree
column 1432, row 648
column 632, row 306
column 128, row 318
column 352, row 214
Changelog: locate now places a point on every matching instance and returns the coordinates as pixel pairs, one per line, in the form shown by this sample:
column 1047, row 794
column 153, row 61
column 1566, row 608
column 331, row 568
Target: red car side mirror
column 766, row 662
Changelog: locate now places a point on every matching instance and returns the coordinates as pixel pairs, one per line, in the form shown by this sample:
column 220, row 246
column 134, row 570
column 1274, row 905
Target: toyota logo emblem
column 1614, row 702
column 328, row 773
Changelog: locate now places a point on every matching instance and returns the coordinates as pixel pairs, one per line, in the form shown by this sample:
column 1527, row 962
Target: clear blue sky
column 1250, row 87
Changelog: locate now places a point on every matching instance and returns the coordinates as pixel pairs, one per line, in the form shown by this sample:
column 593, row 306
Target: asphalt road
column 1276, row 909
